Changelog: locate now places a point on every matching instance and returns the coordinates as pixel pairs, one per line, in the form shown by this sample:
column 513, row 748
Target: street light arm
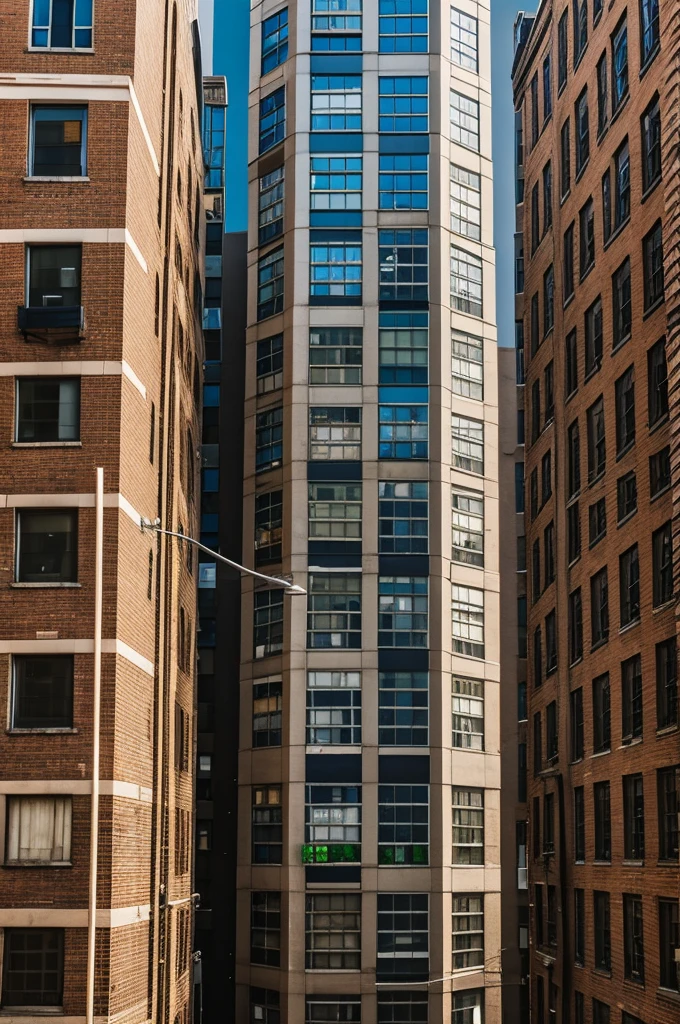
column 292, row 588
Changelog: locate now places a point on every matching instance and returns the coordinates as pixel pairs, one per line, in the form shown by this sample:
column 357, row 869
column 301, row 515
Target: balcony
column 52, row 325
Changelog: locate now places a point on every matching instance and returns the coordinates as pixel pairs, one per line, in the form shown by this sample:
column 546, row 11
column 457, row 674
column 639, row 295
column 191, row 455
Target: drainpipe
column 96, row 716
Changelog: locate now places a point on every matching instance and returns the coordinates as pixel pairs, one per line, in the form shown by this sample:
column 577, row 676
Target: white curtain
column 39, row 829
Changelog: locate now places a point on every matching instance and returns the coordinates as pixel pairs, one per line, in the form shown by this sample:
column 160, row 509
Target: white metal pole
column 96, row 716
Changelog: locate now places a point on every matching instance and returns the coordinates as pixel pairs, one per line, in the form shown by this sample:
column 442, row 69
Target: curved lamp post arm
column 153, row 527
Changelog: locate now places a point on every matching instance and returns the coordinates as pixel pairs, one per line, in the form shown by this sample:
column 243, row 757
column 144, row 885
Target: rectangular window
column 333, row 931
column 602, row 94
column 267, row 825
column 464, row 44
column 467, row 527
column 267, row 713
column 649, row 35
column 651, row 140
column 550, row 645
column 575, row 627
column 576, row 723
column 534, row 110
column 666, row 684
column 622, row 180
column 621, row 302
column 582, row 131
column 551, row 739
column 402, row 1007
column 403, row 517
column 333, row 708
column 547, row 197
column 551, row 922
column 546, row 477
column 547, row 87
column 403, row 825
column 336, row 15
column 265, row 928
column 548, row 300
column 42, row 691
column 336, row 103
column 579, row 926
column 565, row 160
column 593, row 332
column 335, row 271
column 332, row 825
column 54, row 275
column 580, row 28
column 403, row 936
column 626, row 492
column 464, row 119
column 631, row 698
column 403, row 104
column 466, row 200
column 334, row 512
column 659, row 472
column 538, row 666
column 468, row 444
column 48, row 409
column 267, row 623
column 403, row 429
column 38, row 830
column 334, row 611
column 403, row 348
column 606, row 206
column 602, row 732
column 335, row 182
column 633, row 817
column 600, row 1012
column 519, row 490
column 268, row 527
column 270, row 284
column 574, row 459
column 568, row 268
column 533, row 493
column 579, row 826
column 603, row 821
column 403, row 611
column 573, row 532
column 668, row 806
column 403, row 181
column 562, row 47
column 669, row 942
column 468, row 621
column 33, row 968
column 662, row 565
column 571, row 352
column 272, row 120
column 269, row 367
column 536, row 423
column 62, row 24
column 335, row 355
column 46, row 546
column 536, row 571
column 264, row 1006
column 467, row 365
column 619, row 65
column 652, row 253
column 468, row 826
column 274, row 41
column 657, row 382
column 597, row 452
column 587, row 237
column 629, row 586
column 334, row 434
column 467, row 1007
column 268, row 439
column 403, row 709
column 403, row 263
column 603, row 938
column 535, row 334
column 466, row 282
column 403, row 26
column 58, row 144
column 270, row 207
column 468, row 714
column 468, row 932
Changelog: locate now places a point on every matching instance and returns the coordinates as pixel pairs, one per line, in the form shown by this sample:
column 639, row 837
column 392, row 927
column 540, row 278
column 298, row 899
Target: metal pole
column 96, row 716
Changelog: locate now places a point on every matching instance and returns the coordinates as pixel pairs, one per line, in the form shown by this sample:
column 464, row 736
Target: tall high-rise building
column 100, row 367
column 369, row 768
column 596, row 90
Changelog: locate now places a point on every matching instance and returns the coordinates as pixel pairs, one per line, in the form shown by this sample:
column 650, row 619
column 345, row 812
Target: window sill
column 47, row 444
column 600, row 753
column 650, row 189
column 577, row 62
column 649, row 60
column 40, row 731
column 596, row 479
column 29, row 586
column 582, row 170
column 624, row 451
column 569, row 299
column 666, row 730
column 669, row 993
column 602, row 972
column 54, row 177
column 623, row 103
column 602, row 863
column 630, row 625
column 564, row 198
column 571, row 565
column 596, row 540
column 626, row 519
column 602, row 133
column 654, row 306
column 586, row 273
column 670, row 603
column 32, row 1011
column 591, row 373
column 662, row 421
column 59, row 49
column 616, row 232
column 659, row 494
column 38, row 864
column 618, row 345
column 633, row 864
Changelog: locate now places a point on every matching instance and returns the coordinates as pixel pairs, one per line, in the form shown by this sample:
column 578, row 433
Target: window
column 62, row 25
column 272, row 120
column 548, row 300
column 651, row 141
column 403, row 348
column 270, row 284
column 535, row 337
column 593, row 331
column 403, row 104
column 42, row 691
column 547, row 197
column 662, row 565
column 403, row 26
column 668, row 806
column 522, row 772
column 335, row 271
column 533, row 493
column 575, row 627
column 597, row 453
column 33, row 968
column 466, row 282
column 626, row 492
column 468, row 444
column 264, row 1006
column 402, row 1007
column 268, row 527
column 464, row 118
column 54, row 275
column 659, row 472
column 334, row 434
column 666, row 684
column 621, row 301
column 582, row 131
column 58, row 146
column 265, row 928
column 619, row 65
column 335, row 183
column 519, row 283
column 333, row 931
column 546, row 476
column 562, row 45
column 622, row 179
column 579, row 826
column 269, row 364
column 568, row 279
column 576, row 723
column 468, row 714
column 333, row 708
column 602, row 94
column 657, row 382
column 580, row 28
column 652, row 252
column 631, row 698
column 403, row 517
column 403, row 182
column 267, row 623
column 579, row 927
column 573, row 532
column 38, row 830
column 600, row 1012
column 403, row 257
column 603, row 944
column 601, row 714
column 403, row 709
column 46, row 546
column 270, row 210
column 402, row 936
column 468, row 826
column 267, row 825
column 336, row 103
column 606, row 206
column 551, row 742
column 669, row 941
column 335, row 355
column 603, row 821
column 334, row 512
column 467, row 1007
column 274, row 41
column 565, row 160
column 547, row 87
column 466, row 216
column 402, row 611
column 535, row 220
column 574, row 459
column 468, row 621
column 535, row 571
column 587, row 237
column 534, row 110
column 334, row 610
column 336, row 16
column 48, row 409
column 468, row 528
column 403, row 429
column 649, row 35
column 267, row 713
column 536, row 425
column 519, row 487
column 551, row 921
column 268, row 439
column 403, row 825
column 550, row 643
column 467, row 365
column 332, row 825
column 464, row 40
column 629, row 586
column 633, row 817
column 468, row 932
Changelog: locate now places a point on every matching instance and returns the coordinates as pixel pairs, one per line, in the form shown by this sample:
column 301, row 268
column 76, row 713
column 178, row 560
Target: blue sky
column 231, row 59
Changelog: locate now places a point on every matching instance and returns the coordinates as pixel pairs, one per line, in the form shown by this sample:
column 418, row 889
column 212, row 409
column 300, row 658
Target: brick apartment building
column 101, row 221
column 596, row 88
